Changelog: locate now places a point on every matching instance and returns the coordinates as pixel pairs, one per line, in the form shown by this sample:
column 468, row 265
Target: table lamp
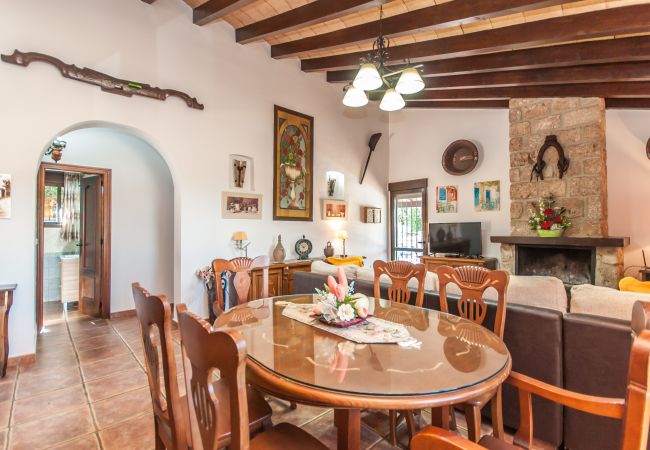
column 343, row 235
column 239, row 237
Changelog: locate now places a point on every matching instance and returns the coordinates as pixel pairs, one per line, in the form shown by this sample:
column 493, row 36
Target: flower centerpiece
column 338, row 305
column 547, row 219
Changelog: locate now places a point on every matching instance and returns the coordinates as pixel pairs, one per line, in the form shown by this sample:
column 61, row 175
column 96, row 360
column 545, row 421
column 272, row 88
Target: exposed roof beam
column 632, row 71
column 609, row 22
column 460, row 104
column 424, row 19
column 627, row 103
column 593, row 52
column 216, row 9
column 632, row 89
column 318, row 11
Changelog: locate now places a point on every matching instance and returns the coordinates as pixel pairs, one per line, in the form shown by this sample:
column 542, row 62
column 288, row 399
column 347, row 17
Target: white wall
column 239, row 85
column 142, row 222
column 628, row 181
column 418, row 139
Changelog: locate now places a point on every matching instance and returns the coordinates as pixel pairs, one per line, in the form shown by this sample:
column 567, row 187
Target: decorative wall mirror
column 541, row 163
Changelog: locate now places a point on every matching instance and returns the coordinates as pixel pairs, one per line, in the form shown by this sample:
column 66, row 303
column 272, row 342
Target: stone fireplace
column 585, row 254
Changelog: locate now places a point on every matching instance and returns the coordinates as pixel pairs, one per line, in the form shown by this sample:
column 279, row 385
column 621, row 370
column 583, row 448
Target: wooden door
column 90, row 258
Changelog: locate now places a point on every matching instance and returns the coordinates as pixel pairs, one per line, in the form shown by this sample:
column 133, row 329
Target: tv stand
column 432, row 262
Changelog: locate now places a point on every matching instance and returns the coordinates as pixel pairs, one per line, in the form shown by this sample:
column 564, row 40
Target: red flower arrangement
column 545, row 216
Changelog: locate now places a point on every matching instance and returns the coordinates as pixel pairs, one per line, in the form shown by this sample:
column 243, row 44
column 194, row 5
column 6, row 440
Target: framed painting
column 293, row 163
column 446, row 199
column 487, row 196
column 235, row 205
column 5, row 196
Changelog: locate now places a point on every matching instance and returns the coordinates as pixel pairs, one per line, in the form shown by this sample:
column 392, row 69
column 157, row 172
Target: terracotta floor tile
column 97, row 354
column 43, row 433
column 108, row 366
column 81, row 335
column 122, row 407
column 99, row 341
column 33, row 383
column 45, row 405
column 7, row 390
column 133, row 434
column 5, row 411
column 324, row 430
column 117, row 383
column 299, row 416
column 49, row 363
column 87, row 442
column 3, row 438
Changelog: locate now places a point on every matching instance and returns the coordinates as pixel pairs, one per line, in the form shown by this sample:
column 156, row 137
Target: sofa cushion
column 321, row 267
column 430, row 280
column 541, row 292
column 604, row 301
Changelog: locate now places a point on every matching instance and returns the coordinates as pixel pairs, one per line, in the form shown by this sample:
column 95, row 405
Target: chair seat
column 285, row 436
column 492, row 443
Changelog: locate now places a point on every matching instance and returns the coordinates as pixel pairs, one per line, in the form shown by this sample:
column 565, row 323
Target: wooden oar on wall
column 371, row 145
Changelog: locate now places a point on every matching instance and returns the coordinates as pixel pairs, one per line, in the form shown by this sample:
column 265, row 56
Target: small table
column 6, row 300
column 458, row 361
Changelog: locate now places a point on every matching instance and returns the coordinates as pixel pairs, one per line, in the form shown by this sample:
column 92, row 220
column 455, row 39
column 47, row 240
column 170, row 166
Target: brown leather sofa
column 582, row 353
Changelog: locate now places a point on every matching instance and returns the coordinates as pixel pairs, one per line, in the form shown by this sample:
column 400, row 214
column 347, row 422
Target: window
column 408, row 200
column 53, row 204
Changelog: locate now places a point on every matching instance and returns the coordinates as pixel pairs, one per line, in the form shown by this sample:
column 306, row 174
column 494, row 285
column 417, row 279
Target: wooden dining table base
column 348, row 429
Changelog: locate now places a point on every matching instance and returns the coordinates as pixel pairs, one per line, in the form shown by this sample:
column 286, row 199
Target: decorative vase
column 292, row 173
column 329, row 250
column 278, row 253
column 550, row 233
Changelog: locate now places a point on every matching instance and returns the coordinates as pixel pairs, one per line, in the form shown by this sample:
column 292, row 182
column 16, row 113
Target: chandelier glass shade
column 355, row 97
column 368, row 78
column 409, row 81
column 391, row 101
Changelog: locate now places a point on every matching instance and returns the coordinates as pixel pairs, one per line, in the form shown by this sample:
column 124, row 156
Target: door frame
column 105, row 271
column 419, row 186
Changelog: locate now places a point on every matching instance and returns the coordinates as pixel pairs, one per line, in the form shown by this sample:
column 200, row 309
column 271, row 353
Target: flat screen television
column 459, row 238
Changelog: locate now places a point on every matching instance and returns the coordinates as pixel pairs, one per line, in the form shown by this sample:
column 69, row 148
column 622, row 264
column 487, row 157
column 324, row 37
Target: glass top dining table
column 456, row 361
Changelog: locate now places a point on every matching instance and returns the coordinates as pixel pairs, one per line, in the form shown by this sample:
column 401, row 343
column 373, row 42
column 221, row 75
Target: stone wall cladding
column 579, row 124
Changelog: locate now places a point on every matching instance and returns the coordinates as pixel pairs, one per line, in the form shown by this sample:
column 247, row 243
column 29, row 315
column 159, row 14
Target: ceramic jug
column 278, row 253
column 329, row 250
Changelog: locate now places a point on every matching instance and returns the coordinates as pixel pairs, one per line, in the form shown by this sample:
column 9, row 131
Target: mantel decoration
column 547, row 219
column 373, row 75
column 293, row 165
column 338, row 305
column 540, row 164
column 107, row 83
column 56, row 150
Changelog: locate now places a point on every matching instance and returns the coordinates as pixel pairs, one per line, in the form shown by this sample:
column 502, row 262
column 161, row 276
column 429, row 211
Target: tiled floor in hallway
column 88, row 390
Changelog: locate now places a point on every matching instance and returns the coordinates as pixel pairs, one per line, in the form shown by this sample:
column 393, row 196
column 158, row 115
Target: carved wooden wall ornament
column 647, row 148
column 106, row 82
column 562, row 163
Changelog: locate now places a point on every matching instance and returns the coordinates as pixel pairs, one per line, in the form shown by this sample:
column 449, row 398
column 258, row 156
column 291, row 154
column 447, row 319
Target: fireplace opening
column 572, row 265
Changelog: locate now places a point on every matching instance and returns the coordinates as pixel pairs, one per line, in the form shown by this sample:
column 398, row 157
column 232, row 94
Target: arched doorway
column 139, row 213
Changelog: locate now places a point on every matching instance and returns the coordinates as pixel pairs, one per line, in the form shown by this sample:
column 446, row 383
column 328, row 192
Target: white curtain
column 71, row 207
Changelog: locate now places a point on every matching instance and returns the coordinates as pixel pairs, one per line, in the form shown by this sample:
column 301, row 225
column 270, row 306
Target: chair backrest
column 206, row 351
column 473, row 281
column 400, row 273
column 155, row 317
column 239, row 271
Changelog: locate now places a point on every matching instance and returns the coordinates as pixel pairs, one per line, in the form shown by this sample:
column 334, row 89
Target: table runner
column 373, row 330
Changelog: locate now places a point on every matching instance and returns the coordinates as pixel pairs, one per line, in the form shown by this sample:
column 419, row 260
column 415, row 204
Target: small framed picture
column 5, row 196
column 236, row 205
column 241, row 172
column 335, row 209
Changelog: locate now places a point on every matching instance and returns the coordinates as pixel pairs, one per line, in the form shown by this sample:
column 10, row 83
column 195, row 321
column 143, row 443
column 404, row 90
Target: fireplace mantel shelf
column 563, row 241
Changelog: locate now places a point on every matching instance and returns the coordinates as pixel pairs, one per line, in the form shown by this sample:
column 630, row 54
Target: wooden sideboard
column 6, row 300
column 280, row 277
column 432, row 262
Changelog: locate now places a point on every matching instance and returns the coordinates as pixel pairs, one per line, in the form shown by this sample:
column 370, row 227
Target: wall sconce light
column 343, row 235
column 239, row 237
column 56, row 149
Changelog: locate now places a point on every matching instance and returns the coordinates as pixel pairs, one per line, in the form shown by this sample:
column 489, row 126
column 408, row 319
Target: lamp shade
column 342, row 234
column 409, row 82
column 239, row 236
column 392, row 101
column 355, row 97
column 367, row 78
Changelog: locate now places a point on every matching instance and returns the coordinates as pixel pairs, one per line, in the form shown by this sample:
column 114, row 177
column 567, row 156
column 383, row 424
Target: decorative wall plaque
column 460, row 157
column 562, row 163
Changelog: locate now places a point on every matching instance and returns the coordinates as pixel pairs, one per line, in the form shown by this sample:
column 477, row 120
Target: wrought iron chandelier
column 373, row 75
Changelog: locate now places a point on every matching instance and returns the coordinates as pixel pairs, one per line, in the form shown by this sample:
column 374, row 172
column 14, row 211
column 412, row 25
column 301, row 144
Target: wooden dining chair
column 633, row 410
column 171, row 420
column 400, row 273
column 473, row 281
column 238, row 270
column 206, row 352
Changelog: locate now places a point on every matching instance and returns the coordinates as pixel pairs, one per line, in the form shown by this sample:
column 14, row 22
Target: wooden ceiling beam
column 216, row 9
column 459, row 104
column 615, row 72
column 609, row 22
column 425, row 19
column 593, row 52
column 632, row 89
column 315, row 12
column 627, row 103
